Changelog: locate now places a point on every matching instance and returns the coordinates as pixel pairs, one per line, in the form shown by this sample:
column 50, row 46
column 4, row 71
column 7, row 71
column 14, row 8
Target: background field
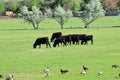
column 104, row 22
column 18, row 57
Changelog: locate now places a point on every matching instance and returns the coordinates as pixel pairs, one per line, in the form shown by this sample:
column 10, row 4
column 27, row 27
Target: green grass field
column 18, row 57
column 52, row 24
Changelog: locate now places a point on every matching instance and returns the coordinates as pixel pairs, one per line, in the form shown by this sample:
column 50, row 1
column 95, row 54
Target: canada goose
column 100, row 73
column 1, row 76
column 85, row 68
column 9, row 77
column 115, row 66
column 83, row 72
column 47, row 71
column 63, row 71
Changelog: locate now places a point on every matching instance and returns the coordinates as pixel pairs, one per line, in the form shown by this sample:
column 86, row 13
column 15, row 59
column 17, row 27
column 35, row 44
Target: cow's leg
column 86, row 43
column 46, row 45
column 61, row 43
column 82, row 42
column 58, row 44
column 73, row 42
column 49, row 45
column 70, row 42
column 78, row 42
column 92, row 41
column 64, row 43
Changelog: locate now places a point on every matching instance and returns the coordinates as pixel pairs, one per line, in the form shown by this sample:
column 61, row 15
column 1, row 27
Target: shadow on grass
column 65, row 28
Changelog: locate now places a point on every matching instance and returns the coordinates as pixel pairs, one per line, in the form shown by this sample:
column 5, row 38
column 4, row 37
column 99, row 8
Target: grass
column 52, row 24
column 18, row 57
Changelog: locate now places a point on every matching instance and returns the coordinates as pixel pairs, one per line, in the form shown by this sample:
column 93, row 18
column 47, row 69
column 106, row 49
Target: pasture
column 18, row 57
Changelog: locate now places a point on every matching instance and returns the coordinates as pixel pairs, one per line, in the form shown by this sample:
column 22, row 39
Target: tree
column 34, row 17
column 93, row 11
column 2, row 7
column 62, row 16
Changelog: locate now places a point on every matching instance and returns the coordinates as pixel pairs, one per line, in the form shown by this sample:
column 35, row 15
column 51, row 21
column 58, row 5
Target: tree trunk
column 61, row 26
column 86, row 25
column 35, row 26
column 62, row 23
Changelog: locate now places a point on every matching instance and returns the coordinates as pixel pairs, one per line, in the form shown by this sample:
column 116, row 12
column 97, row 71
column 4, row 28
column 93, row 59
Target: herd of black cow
column 57, row 38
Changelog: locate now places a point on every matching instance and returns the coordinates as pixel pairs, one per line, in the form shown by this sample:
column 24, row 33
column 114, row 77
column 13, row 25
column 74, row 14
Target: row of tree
column 92, row 11
column 73, row 5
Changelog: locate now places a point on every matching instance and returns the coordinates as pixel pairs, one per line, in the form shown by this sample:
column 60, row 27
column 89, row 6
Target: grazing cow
column 9, row 77
column 83, row 38
column 63, row 71
column 87, row 38
column 59, row 40
column 56, row 35
column 67, row 39
column 43, row 40
column 90, row 38
column 75, row 38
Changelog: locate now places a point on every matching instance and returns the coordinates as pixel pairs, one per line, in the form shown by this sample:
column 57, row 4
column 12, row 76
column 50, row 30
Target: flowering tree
column 93, row 11
column 34, row 17
column 62, row 16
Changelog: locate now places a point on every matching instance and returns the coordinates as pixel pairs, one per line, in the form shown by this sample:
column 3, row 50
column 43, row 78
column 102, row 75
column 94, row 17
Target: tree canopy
column 74, row 5
column 61, row 15
column 93, row 11
column 34, row 17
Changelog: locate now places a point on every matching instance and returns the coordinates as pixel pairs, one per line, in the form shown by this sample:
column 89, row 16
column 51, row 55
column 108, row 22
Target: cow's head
column 54, row 45
column 34, row 45
column 51, row 39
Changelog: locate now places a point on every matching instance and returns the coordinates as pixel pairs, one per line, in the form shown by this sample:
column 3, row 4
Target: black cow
column 75, row 38
column 42, row 40
column 59, row 40
column 87, row 38
column 67, row 39
column 83, row 38
column 90, row 38
column 56, row 35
